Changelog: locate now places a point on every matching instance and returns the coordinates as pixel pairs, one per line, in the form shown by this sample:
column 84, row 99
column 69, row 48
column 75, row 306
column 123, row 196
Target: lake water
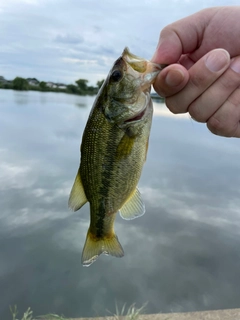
column 182, row 255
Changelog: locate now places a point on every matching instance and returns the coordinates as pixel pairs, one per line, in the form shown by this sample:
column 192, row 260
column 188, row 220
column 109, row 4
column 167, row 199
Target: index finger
column 171, row 80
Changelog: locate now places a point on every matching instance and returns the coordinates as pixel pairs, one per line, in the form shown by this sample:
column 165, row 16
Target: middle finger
column 215, row 96
column 201, row 75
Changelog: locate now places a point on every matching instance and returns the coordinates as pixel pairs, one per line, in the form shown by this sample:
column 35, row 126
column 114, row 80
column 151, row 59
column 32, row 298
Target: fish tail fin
column 94, row 247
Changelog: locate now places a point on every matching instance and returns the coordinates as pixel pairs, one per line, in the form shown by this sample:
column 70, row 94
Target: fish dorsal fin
column 134, row 207
column 77, row 196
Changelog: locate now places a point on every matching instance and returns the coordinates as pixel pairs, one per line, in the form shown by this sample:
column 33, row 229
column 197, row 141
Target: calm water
column 182, row 255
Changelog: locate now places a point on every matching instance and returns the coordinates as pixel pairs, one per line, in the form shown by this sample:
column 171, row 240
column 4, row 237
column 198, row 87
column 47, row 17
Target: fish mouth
column 137, row 117
column 141, row 113
column 138, row 64
column 143, row 71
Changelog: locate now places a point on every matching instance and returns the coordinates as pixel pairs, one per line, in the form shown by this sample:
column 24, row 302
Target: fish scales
column 115, row 167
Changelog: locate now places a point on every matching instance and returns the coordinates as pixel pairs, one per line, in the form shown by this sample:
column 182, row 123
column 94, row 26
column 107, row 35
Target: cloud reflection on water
column 181, row 255
column 160, row 110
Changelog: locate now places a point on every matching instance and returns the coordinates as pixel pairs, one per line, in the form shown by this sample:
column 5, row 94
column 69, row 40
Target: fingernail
column 217, row 60
column 235, row 65
column 174, row 78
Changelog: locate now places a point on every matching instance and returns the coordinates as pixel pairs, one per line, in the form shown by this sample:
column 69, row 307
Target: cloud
column 28, row 2
column 80, row 61
column 43, row 44
column 68, row 39
column 12, row 174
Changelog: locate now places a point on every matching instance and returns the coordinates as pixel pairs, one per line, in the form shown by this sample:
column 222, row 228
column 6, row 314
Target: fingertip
column 171, row 80
column 174, row 78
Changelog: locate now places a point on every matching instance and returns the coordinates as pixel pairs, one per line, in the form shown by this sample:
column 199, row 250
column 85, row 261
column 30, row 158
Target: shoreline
column 225, row 314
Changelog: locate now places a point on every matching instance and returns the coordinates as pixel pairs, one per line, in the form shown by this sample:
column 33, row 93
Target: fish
column 113, row 151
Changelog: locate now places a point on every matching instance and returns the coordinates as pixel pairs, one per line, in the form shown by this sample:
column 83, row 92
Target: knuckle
column 171, row 106
column 198, row 80
column 216, row 126
column 160, row 92
column 228, row 83
column 196, row 112
column 220, row 127
column 234, row 99
column 166, row 30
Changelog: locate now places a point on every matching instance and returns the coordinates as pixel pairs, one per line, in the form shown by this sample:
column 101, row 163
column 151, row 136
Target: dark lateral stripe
column 107, row 176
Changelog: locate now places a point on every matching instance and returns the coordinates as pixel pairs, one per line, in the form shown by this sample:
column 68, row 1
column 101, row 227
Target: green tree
column 43, row 85
column 92, row 90
column 71, row 88
column 20, row 84
column 82, row 85
column 100, row 83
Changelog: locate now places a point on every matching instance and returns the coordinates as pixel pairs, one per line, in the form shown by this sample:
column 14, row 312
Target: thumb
column 169, row 48
column 181, row 37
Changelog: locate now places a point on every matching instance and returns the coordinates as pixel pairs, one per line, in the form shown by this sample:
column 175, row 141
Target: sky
column 64, row 40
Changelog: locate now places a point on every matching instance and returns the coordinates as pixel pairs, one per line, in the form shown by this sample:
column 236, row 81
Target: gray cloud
column 41, row 38
column 68, row 39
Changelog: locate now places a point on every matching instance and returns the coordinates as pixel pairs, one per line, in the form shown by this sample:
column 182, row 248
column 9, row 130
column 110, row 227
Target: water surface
column 182, row 255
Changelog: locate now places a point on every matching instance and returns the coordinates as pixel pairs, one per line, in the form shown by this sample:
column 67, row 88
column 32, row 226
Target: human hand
column 201, row 78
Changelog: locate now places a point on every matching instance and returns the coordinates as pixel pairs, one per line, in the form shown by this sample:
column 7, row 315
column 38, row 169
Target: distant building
column 32, row 81
column 3, row 80
column 61, row 86
column 51, row 85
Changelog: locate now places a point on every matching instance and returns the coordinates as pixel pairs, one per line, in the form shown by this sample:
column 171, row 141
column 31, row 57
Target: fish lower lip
column 137, row 117
column 141, row 114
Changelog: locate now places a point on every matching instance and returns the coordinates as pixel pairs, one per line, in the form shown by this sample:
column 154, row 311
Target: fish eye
column 116, row 75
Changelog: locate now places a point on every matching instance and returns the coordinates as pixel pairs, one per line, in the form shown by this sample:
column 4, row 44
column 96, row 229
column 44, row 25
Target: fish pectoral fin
column 134, row 207
column 94, row 247
column 77, row 196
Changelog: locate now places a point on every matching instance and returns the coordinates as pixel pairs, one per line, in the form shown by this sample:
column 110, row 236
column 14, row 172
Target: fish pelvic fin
column 77, row 196
column 94, row 247
column 134, row 207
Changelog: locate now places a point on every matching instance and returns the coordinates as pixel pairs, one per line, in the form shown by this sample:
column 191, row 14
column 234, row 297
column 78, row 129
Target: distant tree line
column 81, row 87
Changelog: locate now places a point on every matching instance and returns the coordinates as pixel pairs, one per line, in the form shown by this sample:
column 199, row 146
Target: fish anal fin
column 77, row 196
column 134, row 207
column 94, row 247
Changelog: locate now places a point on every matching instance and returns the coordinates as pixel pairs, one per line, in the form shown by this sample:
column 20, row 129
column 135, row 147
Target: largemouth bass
column 113, row 151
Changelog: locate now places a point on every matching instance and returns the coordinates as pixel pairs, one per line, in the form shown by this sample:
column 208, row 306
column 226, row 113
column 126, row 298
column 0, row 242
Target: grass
column 26, row 316
column 52, row 316
column 132, row 313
